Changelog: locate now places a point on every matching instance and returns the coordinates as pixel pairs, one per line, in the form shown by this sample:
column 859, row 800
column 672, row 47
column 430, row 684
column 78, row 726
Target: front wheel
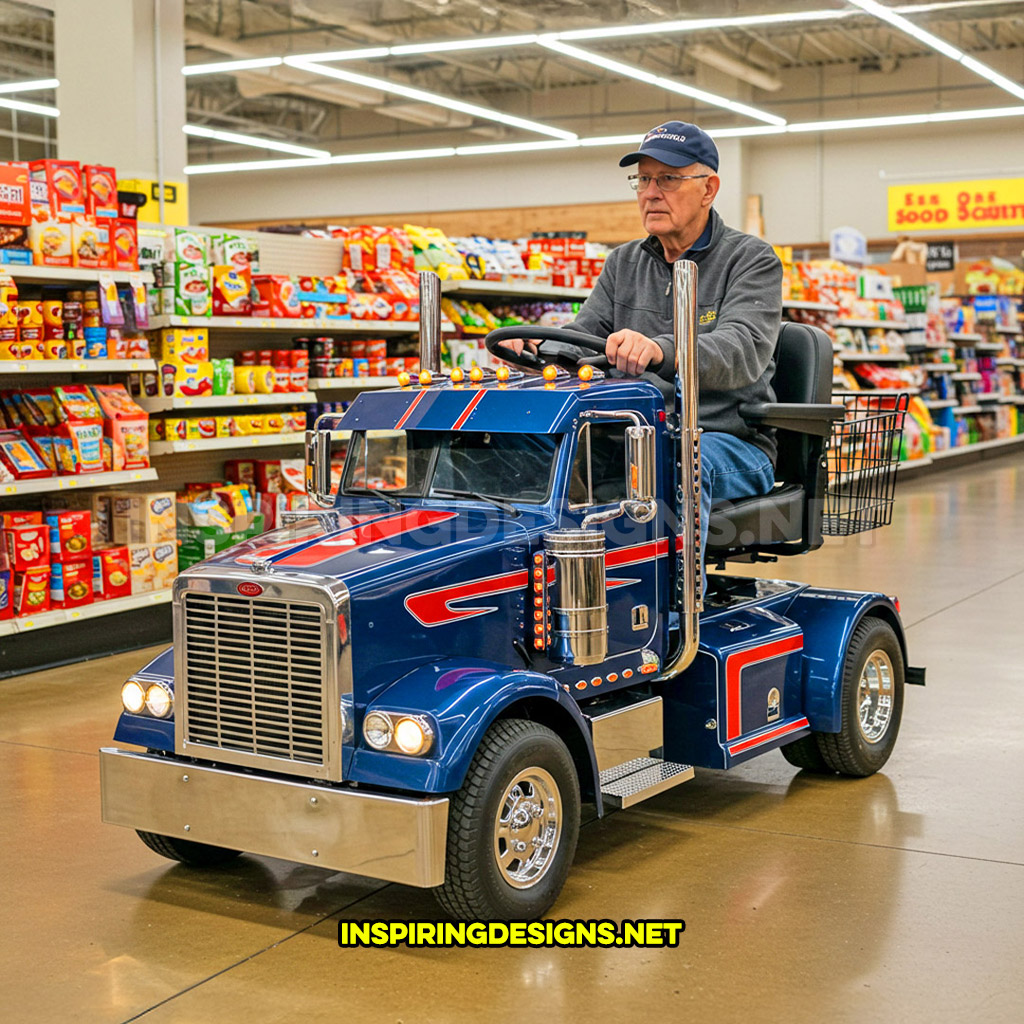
column 512, row 827
column 197, row 855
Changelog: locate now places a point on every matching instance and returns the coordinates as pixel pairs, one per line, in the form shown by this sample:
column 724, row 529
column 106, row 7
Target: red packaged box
column 111, row 573
column 298, row 375
column 268, row 476
column 276, row 296
column 9, row 519
column 240, row 471
column 63, row 182
column 6, row 594
column 71, row 584
column 14, row 195
column 28, row 547
column 70, row 535
column 124, row 244
column 32, row 592
column 100, row 187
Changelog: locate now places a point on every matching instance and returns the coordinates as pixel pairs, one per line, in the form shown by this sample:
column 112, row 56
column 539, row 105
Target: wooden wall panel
column 603, row 222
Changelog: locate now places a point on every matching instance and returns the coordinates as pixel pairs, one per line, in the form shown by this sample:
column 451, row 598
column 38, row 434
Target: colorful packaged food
column 14, row 195
column 125, row 427
column 245, row 380
column 63, row 180
column 71, row 584
column 78, row 446
column 70, row 534
column 28, row 547
column 90, row 242
column 224, row 426
column 20, row 518
column 144, row 518
column 185, row 344
column 231, row 287
column 189, row 288
column 52, row 242
column 21, row 456
column 275, row 296
column 165, row 564
column 111, row 573
column 6, row 595
column 190, row 379
column 187, row 247
column 32, row 592
column 143, row 571
column 264, row 379
column 124, row 245
column 100, row 187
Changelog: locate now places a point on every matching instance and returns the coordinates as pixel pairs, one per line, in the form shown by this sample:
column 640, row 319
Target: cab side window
column 599, row 468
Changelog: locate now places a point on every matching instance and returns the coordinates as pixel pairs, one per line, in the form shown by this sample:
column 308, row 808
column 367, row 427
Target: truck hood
column 367, row 549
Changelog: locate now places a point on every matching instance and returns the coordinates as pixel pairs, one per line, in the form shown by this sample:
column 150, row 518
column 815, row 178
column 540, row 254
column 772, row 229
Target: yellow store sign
column 974, row 205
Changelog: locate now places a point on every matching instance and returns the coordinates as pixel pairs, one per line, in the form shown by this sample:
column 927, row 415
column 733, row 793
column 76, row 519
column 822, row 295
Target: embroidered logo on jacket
column 708, row 317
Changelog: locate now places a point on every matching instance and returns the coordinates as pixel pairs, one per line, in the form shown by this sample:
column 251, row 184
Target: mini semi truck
column 497, row 616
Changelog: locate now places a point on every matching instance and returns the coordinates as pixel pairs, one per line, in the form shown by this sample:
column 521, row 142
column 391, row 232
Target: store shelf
column 69, row 275
column 1011, row 399
column 825, row 307
column 62, row 616
column 76, row 483
column 209, row 444
column 994, row 397
column 1009, row 361
column 952, row 454
column 351, row 383
column 225, row 401
column 940, row 403
column 938, row 367
column 940, row 347
column 988, row 346
column 512, row 290
column 889, row 325
column 965, row 338
column 969, row 410
column 847, row 356
column 292, row 325
column 1019, row 329
column 75, row 365
column 966, row 376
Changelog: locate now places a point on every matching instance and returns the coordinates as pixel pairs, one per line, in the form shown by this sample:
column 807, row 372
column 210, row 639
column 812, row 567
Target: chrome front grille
column 254, row 679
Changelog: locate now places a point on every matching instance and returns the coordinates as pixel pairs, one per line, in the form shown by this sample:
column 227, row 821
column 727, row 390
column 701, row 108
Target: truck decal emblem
column 734, row 666
column 431, row 607
column 408, row 412
column 362, row 536
column 782, row 730
column 473, row 403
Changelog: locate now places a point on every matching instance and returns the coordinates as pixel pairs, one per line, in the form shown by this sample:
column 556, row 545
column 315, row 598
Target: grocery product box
column 70, row 535
column 185, row 246
column 200, row 542
column 90, row 242
column 17, row 518
column 185, row 344
column 186, row 290
column 51, row 242
column 71, row 584
column 165, row 564
column 143, row 518
column 28, row 547
column 124, row 244
column 32, row 591
column 100, row 187
column 143, row 571
column 275, row 295
column 231, row 287
column 6, row 594
column 63, row 180
column 15, row 208
column 111, row 573
column 189, row 379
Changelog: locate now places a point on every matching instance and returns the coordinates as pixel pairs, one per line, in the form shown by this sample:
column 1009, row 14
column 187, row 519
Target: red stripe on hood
column 362, row 536
column 278, row 547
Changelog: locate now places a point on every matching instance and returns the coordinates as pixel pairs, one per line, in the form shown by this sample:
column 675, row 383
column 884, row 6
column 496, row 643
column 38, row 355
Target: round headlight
column 410, row 736
column 133, row 697
column 158, row 701
column 377, row 730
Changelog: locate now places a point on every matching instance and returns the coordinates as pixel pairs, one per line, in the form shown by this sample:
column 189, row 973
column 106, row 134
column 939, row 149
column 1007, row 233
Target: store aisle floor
column 897, row 897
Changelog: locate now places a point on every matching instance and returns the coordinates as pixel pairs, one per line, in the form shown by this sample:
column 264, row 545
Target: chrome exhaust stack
column 688, row 598
column 580, row 606
column 430, row 321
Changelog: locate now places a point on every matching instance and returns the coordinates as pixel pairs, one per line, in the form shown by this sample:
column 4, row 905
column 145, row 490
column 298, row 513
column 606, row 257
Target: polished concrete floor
column 894, row 898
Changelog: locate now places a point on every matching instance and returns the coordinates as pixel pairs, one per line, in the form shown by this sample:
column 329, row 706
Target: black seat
column 787, row 520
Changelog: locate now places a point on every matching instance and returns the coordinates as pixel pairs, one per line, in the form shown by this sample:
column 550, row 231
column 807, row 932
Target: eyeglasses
column 665, row 182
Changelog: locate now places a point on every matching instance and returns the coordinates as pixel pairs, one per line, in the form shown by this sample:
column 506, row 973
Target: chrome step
column 629, row 783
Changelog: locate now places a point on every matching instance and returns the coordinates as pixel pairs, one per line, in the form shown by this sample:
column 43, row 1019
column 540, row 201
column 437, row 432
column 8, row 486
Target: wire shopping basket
column 863, row 453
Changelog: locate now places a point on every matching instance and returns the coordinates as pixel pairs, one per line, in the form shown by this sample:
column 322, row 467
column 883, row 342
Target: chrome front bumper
column 395, row 839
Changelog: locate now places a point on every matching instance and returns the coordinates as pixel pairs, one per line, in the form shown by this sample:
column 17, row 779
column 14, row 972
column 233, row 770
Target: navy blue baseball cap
column 678, row 144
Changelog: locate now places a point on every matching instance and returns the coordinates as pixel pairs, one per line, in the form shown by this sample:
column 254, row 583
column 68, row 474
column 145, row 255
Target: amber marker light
column 550, row 371
column 476, row 375
column 403, row 379
column 586, row 373
column 425, row 377
column 457, row 375
column 501, row 373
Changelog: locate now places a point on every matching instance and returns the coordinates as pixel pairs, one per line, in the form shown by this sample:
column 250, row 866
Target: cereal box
column 140, row 557
column 90, row 242
column 100, row 186
column 32, row 591
column 14, row 195
column 70, row 535
column 124, row 244
column 111, row 573
column 51, row 241
column 146, row 518
column 165, row 564
column 71, row 584
column 28, row 547
column 63, row 182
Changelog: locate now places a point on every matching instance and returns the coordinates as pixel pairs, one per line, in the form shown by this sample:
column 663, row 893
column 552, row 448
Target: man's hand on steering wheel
column 632, row 353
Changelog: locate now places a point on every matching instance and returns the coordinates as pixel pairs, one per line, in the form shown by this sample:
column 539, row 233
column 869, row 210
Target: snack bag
column 231, row 287
column 126, row 427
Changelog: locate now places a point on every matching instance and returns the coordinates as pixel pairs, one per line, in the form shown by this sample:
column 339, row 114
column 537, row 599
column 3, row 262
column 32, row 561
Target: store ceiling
column 855, row 65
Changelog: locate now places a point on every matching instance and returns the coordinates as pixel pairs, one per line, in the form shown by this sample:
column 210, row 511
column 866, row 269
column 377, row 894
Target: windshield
column 426, row 463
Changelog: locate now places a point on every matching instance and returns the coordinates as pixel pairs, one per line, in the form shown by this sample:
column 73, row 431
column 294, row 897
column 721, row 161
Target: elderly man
column 739, row 298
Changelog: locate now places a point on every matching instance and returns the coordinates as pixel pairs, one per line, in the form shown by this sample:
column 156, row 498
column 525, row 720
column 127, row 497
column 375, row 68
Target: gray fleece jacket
column 739, row 310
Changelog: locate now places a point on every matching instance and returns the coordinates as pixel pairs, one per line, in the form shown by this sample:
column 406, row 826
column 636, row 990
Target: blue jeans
column 729, row 469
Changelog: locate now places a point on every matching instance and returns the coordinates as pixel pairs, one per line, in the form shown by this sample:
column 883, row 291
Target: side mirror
column 640, row 504
column 318, row 467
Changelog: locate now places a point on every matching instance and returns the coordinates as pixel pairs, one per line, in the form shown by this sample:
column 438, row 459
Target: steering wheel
column 554, row 347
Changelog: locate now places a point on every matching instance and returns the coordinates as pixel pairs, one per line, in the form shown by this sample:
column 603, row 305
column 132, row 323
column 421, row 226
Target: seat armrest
column 795, row 416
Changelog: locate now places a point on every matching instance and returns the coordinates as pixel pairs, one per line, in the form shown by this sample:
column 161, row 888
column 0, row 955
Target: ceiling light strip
column 842, row 124
column 629, row 71
column 889, row 15
column 43, row 110
column 422, row 96
column 33, row 86
column 204, row 132
column 220, row 66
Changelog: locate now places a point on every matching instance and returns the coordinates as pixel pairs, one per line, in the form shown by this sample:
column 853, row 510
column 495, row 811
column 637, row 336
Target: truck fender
column 152, row 733
column 828, row 619
column 463, row 697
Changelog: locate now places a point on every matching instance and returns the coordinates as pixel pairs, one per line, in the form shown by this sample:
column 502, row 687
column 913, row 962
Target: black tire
column 805, row 753
column 197, row 855
column 477, row 887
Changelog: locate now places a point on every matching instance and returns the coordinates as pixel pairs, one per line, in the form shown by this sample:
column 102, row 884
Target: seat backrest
column 803, row 373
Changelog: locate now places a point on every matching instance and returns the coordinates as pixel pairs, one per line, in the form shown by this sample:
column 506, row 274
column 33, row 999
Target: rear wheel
column 513, row 826
column 872, row 706
column 197, row 855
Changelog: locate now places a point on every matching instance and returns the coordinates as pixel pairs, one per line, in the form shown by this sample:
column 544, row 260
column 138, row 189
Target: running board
column 629, row 783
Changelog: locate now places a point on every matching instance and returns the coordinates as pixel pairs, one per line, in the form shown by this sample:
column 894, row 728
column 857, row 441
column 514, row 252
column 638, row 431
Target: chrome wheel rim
column 527, row 828
column 875, row 694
